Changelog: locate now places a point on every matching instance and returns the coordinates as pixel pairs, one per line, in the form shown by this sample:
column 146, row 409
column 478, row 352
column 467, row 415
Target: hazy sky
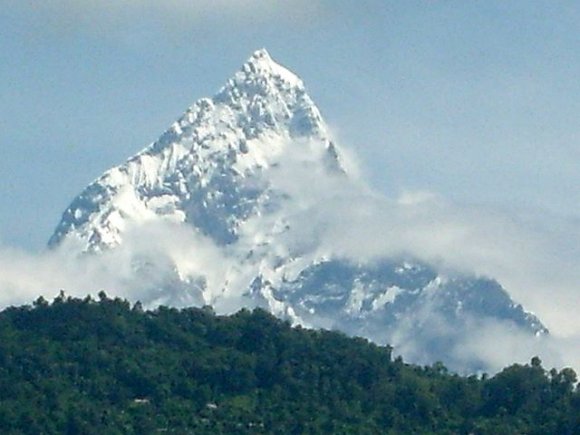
column 477, row 101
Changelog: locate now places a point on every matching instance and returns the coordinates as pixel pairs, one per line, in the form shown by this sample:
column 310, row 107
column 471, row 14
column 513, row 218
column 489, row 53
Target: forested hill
column 85, row 366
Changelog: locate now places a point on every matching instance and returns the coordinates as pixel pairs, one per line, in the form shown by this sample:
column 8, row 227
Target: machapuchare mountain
column 236, row 197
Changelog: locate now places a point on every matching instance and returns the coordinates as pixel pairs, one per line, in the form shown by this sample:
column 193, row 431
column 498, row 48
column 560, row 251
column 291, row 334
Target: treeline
column 94, row 367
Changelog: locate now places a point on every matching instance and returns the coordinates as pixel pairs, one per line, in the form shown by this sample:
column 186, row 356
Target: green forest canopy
column 86, row 366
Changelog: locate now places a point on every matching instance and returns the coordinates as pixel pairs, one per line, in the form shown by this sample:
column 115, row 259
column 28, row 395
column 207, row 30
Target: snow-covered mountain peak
column 208, row 168
column 261, row 64
column 270, row 93
column 231, row 207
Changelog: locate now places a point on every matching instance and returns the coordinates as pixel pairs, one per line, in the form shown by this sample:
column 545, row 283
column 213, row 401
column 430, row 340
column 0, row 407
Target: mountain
column 237, row 197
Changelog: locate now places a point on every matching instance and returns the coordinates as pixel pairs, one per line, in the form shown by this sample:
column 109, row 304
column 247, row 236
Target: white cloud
column 137, row 270
column 536, row 258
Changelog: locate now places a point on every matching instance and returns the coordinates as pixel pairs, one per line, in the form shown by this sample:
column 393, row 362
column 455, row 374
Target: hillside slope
column 80, row 366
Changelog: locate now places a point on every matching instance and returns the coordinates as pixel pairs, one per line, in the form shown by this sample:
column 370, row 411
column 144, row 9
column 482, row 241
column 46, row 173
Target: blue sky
column 476, row 101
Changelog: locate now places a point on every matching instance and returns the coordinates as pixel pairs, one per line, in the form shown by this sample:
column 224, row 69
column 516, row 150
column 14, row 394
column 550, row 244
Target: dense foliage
column 84, row 366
